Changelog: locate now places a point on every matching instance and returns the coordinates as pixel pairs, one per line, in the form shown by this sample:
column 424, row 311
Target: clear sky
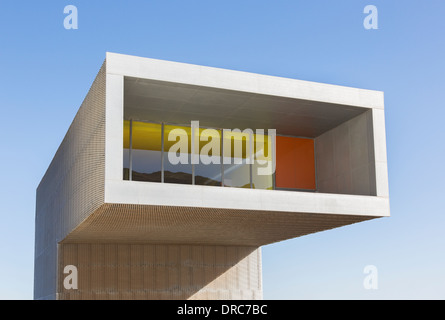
column 46, row 71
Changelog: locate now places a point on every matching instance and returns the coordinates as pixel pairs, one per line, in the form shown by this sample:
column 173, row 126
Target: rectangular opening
column 320, row 147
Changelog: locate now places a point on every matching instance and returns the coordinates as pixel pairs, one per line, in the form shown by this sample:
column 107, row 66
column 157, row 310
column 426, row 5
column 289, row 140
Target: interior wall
column 345, row 161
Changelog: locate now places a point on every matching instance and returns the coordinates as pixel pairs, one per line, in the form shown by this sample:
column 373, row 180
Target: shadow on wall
column 158, row 271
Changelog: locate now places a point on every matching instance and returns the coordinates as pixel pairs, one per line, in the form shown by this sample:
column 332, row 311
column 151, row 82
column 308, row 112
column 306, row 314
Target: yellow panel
column 146, row 136
column 169, row 128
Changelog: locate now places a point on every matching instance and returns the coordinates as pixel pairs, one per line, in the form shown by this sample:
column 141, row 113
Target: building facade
column 172, row 176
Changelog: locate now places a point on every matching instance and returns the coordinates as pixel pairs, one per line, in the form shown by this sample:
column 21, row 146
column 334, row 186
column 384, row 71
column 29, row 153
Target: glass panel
column 146, row 152
column 126, row 164
column 262, row 169
column 208, row 171
column 177, row 160
column 126, row 150
column 236, row 158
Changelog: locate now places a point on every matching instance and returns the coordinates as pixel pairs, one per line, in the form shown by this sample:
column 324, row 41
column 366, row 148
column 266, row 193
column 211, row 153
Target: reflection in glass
column 237, row 175
column 126, row 164
column 177, row 160
column 126, row 150
column 208, row 171
column 262, row 169
column 237, row 158
column 234, row 167
column 146, row 151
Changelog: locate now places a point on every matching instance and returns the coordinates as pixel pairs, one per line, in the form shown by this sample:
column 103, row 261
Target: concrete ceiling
column 176, row 103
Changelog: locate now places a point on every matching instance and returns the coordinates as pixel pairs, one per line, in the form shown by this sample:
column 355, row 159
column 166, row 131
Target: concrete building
column 136, row 226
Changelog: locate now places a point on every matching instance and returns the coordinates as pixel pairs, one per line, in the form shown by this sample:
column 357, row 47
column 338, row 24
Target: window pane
column 262, row 169
column 208, row 171
column 146, row 152
column 177, row 165
column 237, row 175
column 126, row 149
column 236, row 152
column 126, row 164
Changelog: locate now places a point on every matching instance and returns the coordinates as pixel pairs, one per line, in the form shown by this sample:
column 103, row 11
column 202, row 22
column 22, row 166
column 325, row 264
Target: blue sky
column 47, row 70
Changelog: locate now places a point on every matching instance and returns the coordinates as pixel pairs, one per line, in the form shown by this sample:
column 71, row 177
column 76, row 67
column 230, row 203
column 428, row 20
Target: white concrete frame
column 119, row 191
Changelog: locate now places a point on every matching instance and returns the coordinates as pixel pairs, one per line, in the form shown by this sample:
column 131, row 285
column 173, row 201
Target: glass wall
column 213, row 157
column 177, row 157
column 208, row 171
column 145, row 152
column 263, row 166
column 237, row 158
column 126, row 150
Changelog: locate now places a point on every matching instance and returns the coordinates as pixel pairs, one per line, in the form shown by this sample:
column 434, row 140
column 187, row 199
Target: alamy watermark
column 371, row 20
column 71, row 21
column 254, row 152
column 371, row 281
column 70, row 281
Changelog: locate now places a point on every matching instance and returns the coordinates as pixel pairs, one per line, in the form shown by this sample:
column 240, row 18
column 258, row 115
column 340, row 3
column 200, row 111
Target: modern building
column 149, row 197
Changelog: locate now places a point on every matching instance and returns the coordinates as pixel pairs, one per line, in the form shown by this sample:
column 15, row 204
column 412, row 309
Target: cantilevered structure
column 137, row 226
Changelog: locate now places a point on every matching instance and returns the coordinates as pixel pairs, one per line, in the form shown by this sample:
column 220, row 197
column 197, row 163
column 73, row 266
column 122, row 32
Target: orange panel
column 295, row 167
